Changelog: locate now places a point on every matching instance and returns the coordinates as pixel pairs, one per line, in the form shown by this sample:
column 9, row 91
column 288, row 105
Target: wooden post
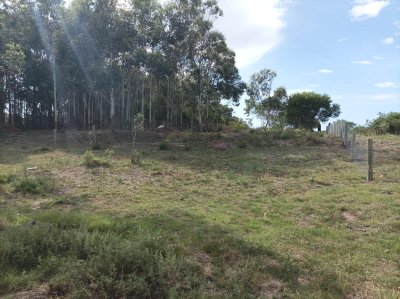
column 370, row 161
column 353, row 147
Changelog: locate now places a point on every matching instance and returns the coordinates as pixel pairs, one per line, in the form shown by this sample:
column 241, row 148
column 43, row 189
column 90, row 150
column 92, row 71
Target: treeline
column 105, row 61
column 385, row 123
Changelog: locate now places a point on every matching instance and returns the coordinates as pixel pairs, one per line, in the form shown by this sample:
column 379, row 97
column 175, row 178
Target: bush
column 242, row 145
column 97, row 147
column 386, row 123
column 136, row 157
column 29, row 184
column 164, row 145
column 91, row 161
column 5, row 179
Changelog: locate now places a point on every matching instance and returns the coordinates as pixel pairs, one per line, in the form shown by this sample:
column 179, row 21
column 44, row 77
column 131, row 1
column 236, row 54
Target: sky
column 348, row 49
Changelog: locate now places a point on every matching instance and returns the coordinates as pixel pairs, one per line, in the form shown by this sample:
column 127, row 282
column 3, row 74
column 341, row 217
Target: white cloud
column 378, row 57
column 387, row 85
column 383, row 97
column 342, row 40
column 365, row 62
column 325, row 71
column 388, row 40
column 252, row 30
column 364, row 9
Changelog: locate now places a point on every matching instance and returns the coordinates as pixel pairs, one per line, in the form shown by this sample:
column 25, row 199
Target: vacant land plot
column 213, row 216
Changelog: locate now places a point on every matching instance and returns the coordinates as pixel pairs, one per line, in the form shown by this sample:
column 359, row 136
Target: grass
column 286, row 216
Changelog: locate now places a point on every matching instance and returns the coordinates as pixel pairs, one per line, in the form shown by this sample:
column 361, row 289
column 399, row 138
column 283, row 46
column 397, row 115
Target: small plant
column 136, row 157
column 97, row 147
column 138, row 124
column 164, row 145
column 242, row 145
column 5, row 179
column 90, row 160
column 31, row 184
column 110, row 153
column 45, row 149
column 187, row 147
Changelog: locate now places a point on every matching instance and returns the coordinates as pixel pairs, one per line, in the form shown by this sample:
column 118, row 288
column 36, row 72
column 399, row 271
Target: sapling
column 137, row 125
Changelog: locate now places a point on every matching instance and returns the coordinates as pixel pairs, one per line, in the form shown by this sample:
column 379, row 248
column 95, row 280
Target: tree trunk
column 123, row 102
column 150, row 103
column 142, row 110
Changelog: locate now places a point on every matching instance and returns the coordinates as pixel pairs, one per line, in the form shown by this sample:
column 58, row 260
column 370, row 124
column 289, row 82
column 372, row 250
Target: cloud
column 364, row 62
column 342, row 40
column 364, row 9
column 388, row 40
column 387, row 85
column 325, row 71
column 252, row 30
column 377, row 57
column 383, row 97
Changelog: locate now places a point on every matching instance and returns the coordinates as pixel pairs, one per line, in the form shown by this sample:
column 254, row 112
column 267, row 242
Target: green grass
column 286, row 216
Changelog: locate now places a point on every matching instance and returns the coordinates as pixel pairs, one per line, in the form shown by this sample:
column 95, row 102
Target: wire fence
column 359, row 148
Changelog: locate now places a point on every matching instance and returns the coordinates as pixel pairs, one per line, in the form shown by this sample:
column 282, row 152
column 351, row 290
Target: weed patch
column 31, row 183
column 91, row 161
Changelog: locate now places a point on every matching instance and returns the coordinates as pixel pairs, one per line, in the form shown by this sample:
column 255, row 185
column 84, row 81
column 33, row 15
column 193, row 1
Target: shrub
column 29, row 184
column 242, row 145
column 91, row 161
column 97, row 147
column 136, row 157
column 164, row 145
column 5, row 179
column 386, row 123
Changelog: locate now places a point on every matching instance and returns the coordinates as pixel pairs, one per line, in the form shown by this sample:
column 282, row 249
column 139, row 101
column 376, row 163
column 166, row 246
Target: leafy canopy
column 307, row 109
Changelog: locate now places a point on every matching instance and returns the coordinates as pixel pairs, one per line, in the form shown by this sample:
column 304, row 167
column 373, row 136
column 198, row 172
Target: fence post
column 346, row 134
column 370, row 161
column 353, row 147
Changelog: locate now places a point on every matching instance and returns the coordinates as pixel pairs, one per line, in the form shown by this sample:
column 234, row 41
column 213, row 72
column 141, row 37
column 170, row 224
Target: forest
column 101, row 62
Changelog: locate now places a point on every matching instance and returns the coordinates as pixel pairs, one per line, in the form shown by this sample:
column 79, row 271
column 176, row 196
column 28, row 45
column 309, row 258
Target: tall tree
column 305, row 110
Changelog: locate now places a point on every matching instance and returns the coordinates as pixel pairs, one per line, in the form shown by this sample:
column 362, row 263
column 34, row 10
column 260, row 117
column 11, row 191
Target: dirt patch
column 40, row 292
column 220, row 145
column 349, row 217
column 270, row 288
column 204, row 260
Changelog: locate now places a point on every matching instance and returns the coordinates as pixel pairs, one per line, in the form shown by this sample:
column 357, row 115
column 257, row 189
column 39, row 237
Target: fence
column 358, row 147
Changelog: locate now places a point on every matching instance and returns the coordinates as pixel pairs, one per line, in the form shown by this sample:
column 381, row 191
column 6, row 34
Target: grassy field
column 216, row 215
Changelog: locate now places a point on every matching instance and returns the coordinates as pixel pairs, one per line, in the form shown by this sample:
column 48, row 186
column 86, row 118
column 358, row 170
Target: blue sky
column 347, row 49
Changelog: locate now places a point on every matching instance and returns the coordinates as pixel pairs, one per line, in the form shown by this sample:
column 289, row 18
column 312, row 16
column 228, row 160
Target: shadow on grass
column 155, row 256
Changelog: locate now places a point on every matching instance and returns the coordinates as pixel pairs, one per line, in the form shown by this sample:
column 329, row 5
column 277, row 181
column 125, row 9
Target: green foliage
column 97, row 147
column 306, row 109
column 164, row 145
column 238, row 125
column 386, row 123
column 242, row 145
column 91, row 161
column 270, row 109
column 111, row 258
column 7, row 178
column 31, row 184
column 136, row 157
